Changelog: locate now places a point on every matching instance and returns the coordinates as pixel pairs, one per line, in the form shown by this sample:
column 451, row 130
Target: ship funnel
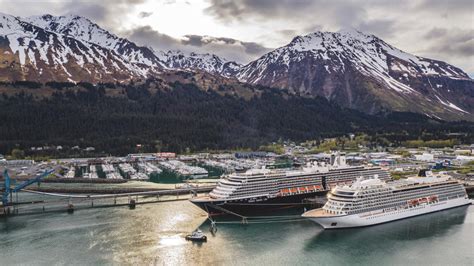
column 338, row 159
column 332, row 160
column 342, row 159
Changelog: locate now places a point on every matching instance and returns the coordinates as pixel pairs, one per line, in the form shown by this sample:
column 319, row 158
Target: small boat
column 197, row 236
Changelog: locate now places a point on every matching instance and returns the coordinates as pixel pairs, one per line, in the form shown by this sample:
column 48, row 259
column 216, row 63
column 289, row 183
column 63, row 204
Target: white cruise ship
column 259, row 190
column 373, row 201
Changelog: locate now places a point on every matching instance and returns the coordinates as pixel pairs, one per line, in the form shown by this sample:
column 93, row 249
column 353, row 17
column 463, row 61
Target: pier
column 53, row 201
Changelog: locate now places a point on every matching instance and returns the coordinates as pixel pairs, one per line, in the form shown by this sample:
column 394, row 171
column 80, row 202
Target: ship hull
column 379, row 217
column 256, row 206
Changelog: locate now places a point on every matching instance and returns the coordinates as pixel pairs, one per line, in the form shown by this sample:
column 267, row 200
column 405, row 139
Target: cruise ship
column 370, row 201
column 259, row 190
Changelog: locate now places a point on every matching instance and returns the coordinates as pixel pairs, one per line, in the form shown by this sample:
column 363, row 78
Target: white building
column 425, row 157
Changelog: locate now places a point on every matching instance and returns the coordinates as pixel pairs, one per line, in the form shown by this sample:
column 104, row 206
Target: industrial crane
column 8, row 190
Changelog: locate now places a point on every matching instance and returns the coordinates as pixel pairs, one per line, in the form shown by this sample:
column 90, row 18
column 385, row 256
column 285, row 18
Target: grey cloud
column 341, row 13
column 228, row 48
column 199, row 41
column 169, row 2
column 147, row 36
column 145, row 14
column 225, row 10
column 194, row 40
column 114, row 11
column 455, row 46
column 444, row 6
column 255, row 48
column 308, row 29
column 348, row 15
column 95, row 12
column 435, row 33
column 287, row 32
column 108, row 14
column 380, row 27
column 454, row 49
column 454, row 42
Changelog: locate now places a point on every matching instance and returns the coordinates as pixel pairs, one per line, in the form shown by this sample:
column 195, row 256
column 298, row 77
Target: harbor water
column 153, row 234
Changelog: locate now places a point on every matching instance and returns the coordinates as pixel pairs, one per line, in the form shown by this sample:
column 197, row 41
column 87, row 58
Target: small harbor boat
column 197, row 236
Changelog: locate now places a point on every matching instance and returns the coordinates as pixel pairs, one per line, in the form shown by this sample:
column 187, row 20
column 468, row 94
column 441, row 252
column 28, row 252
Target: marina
column 184, row 169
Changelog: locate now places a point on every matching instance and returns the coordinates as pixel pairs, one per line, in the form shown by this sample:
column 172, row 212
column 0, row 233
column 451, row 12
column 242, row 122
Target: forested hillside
column 115, row 118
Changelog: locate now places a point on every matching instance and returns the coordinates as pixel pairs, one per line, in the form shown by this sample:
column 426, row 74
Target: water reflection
column 154, row 235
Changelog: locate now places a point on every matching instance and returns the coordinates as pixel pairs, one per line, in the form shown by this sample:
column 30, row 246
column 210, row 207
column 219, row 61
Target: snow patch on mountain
column 193, row 61
column 450, row 105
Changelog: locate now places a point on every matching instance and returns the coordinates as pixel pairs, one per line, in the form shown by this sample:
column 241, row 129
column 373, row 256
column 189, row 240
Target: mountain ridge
column 361, row 71
column 350, row 68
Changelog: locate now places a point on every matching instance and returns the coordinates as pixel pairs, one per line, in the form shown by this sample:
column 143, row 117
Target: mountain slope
column 83, row 29
column 28, row 52
column 363, row 72
column 115, row 117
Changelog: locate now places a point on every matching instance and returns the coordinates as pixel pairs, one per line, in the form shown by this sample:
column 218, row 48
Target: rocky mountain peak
column 361, row 71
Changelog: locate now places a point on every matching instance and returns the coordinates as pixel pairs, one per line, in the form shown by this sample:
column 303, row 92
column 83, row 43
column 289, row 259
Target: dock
column 67, row 201
column 123, row 190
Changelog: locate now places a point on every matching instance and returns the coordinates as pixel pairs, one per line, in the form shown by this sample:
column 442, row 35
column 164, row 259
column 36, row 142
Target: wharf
column 122, row 190
column 59, row 200
column 81, row 180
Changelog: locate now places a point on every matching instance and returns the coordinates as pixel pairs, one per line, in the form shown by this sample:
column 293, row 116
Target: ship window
column 333, row 224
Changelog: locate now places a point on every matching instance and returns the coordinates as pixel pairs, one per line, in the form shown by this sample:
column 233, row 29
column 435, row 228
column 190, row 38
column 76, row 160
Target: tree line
column 186, row 118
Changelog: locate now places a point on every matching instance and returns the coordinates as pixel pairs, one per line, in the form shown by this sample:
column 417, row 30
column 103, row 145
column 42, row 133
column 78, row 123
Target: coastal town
column 168, row 167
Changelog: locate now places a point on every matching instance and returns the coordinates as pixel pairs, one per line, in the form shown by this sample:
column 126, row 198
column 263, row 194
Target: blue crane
column 8, row 190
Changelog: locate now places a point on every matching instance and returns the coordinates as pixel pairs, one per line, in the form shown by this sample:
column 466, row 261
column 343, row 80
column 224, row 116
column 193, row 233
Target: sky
column 243, row 30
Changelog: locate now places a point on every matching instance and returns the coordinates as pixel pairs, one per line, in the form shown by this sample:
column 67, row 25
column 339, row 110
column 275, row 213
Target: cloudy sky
column 243, row 30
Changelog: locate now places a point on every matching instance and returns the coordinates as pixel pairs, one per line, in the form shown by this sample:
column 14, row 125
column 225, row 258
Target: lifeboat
column 423, row 200
column 413, row 202
column 433, row 198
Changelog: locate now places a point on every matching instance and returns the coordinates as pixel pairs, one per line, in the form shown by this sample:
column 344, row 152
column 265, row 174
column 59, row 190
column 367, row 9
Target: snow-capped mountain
column 83, row 29
column 363, row 72
column 205, row 62
column 73, row 48
column 29, row 52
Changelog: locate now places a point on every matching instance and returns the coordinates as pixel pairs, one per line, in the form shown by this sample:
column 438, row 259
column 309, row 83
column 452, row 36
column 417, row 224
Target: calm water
column 153, row 234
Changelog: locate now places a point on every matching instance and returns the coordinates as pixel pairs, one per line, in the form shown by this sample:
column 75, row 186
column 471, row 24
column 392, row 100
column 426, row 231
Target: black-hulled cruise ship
column 260, row 190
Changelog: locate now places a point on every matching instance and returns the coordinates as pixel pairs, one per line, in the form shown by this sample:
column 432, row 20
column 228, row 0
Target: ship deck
column 318, row 213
